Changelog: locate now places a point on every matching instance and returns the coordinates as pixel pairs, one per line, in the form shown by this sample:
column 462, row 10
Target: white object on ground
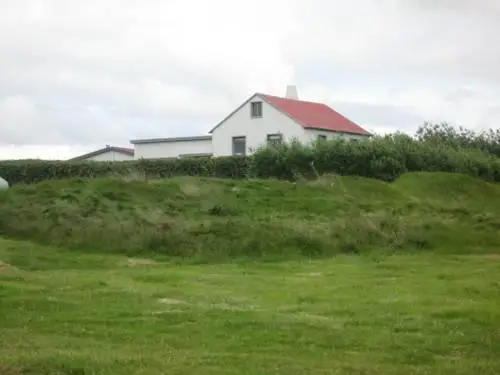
column 3, row 184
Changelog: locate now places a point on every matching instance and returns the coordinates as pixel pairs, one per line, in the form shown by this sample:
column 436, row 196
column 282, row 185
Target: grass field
column 202, row 276
column 73, row 313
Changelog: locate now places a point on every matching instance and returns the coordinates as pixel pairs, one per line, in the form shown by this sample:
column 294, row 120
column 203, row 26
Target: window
column 321, row 137
column 256, row 109
column 239, row 146
column 274, row 140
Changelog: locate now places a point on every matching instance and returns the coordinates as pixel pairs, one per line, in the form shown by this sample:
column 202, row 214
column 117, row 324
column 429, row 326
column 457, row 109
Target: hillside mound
column 203, row 219
column 453, row 187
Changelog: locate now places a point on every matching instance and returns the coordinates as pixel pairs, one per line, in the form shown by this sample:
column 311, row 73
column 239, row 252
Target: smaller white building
column 261, row 119
column 109, row 153
column 156, row 148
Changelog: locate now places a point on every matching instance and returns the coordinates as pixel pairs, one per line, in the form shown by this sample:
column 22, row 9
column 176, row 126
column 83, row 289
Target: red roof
column 315, row 115
column 125, row 150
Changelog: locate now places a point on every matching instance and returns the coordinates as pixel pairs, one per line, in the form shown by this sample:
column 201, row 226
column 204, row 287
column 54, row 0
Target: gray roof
column 121, row 150
column 176, row 139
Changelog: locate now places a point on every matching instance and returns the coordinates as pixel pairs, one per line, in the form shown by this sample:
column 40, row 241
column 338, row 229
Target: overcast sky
column 76, row 75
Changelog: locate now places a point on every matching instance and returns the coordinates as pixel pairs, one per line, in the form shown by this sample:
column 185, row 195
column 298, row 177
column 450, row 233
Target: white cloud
column 20, row 120
column 416, row 37
column 95, row 72
column 47, row 151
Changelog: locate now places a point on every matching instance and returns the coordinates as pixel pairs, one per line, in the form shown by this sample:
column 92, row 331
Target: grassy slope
column 430, row 305
column 218, row 220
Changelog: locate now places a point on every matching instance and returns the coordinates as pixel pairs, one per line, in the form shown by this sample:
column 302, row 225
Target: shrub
column 435, row 148
column 445, row 134
column 384, row 158
column 33, row 171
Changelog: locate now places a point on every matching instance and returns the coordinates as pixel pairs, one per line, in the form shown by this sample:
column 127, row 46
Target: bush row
column 460, row 137
column 33, row 171
column 383, row 158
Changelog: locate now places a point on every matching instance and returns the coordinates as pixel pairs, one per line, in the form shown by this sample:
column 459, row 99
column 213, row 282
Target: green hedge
column 459, row 137
column 383, row 158
column 33, row 171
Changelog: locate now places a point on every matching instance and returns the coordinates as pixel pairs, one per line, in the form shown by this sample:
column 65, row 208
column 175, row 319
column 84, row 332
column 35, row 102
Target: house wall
column 159, row 150
column 312, row 135
column 254, row 129
column 111, row 156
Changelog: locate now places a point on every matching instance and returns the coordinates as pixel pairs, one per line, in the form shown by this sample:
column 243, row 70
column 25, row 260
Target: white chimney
column 291, row 92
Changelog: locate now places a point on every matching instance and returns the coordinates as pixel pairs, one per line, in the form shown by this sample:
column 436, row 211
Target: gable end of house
column 234, row 111
column 120, row 150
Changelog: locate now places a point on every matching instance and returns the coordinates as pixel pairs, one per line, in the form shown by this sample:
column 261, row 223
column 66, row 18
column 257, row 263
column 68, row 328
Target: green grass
column 64, row 312
column 340, row 275
column 211, row 220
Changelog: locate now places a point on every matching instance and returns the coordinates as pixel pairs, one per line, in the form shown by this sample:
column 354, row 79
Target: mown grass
column 72, row 312
column 211, row 220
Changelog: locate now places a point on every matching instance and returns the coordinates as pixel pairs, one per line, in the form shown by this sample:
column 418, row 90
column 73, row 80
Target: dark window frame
column 242, row 139
column 256, row 110
column 275, row 139
column 321, row 137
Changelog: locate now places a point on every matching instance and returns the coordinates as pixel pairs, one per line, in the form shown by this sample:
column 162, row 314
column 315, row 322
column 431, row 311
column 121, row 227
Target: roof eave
column 337, row 131
column 170, row 140
column 100, row 152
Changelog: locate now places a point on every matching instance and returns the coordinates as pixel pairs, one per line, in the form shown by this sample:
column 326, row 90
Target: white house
column 259, row 120
column 109, row 153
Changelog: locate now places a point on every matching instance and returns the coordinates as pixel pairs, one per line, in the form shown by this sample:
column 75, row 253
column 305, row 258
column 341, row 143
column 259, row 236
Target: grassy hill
column 203, row 219
column 106, row 277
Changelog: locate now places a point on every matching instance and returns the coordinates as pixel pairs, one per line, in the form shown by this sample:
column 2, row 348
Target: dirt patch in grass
column 140, row 262
column 16, row 370
column 10, row 370
column 35, row 370
column 484, row 256
column 190, row 190
column 311, row 274
column 4, row 267
column 171, row 301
